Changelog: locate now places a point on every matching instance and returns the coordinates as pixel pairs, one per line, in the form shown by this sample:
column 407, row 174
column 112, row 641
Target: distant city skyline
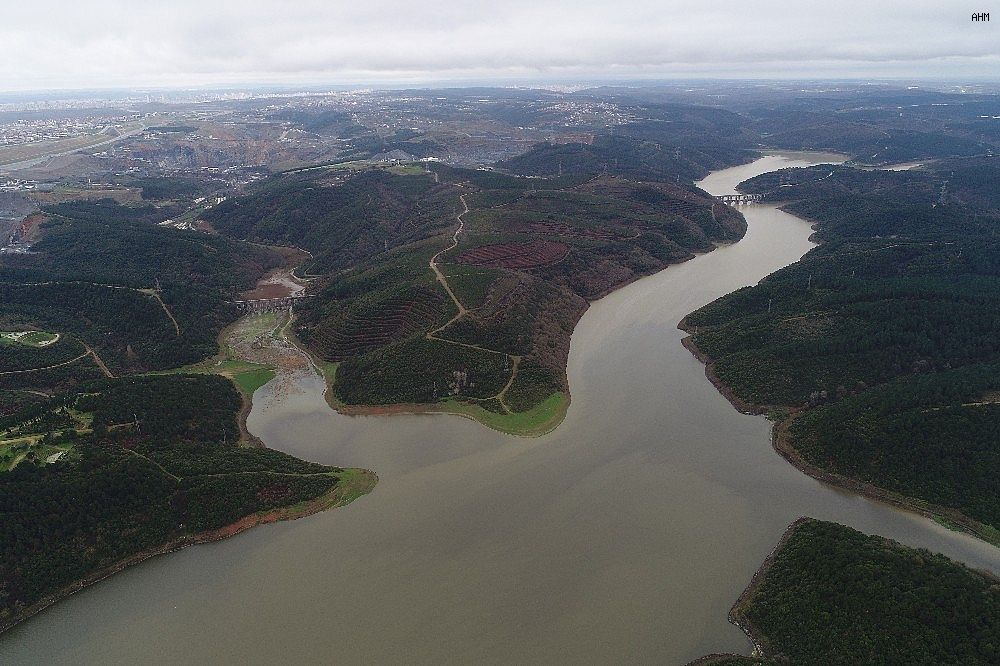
column 113, row 44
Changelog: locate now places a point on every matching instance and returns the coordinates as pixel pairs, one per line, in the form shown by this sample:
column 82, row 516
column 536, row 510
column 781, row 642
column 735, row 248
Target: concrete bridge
column 261, row 305
column 740, row 198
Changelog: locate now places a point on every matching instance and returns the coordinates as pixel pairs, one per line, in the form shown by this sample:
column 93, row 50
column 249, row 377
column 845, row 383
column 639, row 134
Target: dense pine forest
column 881, row 341
column 831, row 595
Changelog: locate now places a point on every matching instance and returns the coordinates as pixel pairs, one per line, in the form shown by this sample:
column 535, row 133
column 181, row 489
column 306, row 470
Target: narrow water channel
column 625, row 535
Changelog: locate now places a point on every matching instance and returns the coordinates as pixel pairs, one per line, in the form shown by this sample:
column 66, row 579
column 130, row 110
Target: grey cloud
column 189, row 42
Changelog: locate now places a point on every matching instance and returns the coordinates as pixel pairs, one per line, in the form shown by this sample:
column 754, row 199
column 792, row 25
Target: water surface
column 626, row 534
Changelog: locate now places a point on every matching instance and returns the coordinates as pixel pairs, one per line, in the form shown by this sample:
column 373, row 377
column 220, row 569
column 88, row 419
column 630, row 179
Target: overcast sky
column 110, row 43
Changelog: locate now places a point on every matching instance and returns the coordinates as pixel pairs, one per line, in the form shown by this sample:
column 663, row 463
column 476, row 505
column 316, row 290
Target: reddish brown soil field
column 268, row 290
column 516, row 255
column 276, row 284
column 29, row 226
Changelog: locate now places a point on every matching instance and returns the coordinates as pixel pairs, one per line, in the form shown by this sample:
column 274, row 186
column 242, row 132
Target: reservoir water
column 623, row 536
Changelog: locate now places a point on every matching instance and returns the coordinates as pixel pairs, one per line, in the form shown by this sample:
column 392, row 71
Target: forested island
column 877, row 352
column 831, row 595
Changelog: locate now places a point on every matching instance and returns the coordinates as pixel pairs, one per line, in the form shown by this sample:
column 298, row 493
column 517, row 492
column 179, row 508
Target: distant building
column 393, row 156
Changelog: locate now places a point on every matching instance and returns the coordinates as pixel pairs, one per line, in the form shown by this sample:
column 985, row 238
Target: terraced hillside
column 370, row 323
column 516, row 256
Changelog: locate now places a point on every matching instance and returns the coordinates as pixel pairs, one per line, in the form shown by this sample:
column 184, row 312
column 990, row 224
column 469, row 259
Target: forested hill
column 121, row 469
column 833, row 596
column 831, row 180
column 342, row 218
column 973, row 182
column 678, row 143
column 140, row 295
column 882, row 340
column 530, row 254
column 105, row 242
column 628, row 157
column 881, row 125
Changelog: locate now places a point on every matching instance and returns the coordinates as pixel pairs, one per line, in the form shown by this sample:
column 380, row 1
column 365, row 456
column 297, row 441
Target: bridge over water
column 740, row 198
column 261, row 305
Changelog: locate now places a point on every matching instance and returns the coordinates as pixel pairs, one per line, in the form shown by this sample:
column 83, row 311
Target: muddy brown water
column 623, row 536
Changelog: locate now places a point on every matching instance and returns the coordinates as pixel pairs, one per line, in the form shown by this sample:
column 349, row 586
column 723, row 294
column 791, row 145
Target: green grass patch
column 28, row 338
column 407, row 170
column 354, row 483
column 329, row 371
column 30, row 447
column 251, row 380
column 540, row 419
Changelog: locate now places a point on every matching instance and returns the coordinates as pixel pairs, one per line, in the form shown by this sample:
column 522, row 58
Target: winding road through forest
column 513, row 360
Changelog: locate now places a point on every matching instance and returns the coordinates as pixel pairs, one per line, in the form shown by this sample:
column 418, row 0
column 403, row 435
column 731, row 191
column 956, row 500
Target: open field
column 29, row 338
column 35, row 440
column 62, row 194
column 238, row 343
column 16, row 449
column 407, row 169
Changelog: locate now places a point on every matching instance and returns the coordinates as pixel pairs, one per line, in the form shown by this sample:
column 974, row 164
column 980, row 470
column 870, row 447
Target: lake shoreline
column 469, row 410
column 737, row 614
column 511, row 423
column 327, row 373
column 782, row 443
